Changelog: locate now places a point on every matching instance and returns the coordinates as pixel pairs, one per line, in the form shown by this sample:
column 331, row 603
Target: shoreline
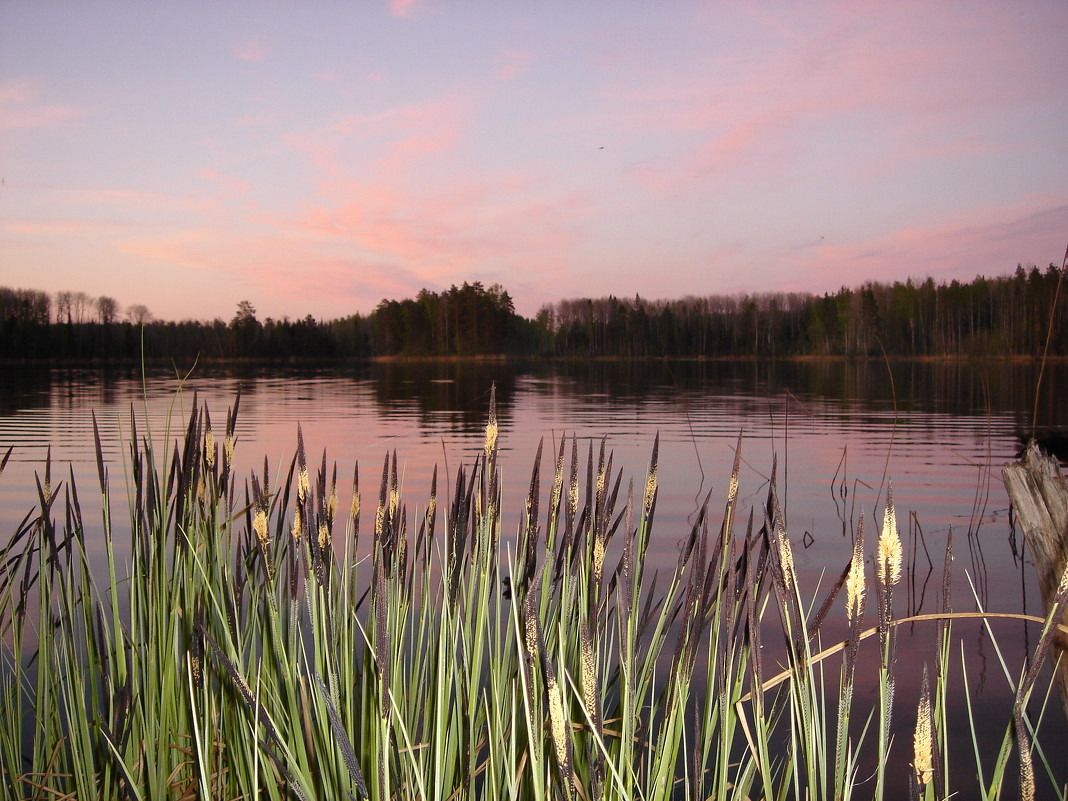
column 504, row 358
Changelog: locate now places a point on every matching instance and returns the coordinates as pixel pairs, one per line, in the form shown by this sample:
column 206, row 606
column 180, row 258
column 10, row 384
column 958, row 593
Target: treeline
column 77, row 327
column 462, row 321
column 1003, row 316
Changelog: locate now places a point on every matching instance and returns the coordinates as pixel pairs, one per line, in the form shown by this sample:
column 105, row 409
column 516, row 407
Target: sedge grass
column 245, row 651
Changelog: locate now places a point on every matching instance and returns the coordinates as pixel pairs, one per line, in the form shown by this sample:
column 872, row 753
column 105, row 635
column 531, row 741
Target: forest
column 1010, row 315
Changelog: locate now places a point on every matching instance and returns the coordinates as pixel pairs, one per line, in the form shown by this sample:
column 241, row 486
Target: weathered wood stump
column 1039, row 496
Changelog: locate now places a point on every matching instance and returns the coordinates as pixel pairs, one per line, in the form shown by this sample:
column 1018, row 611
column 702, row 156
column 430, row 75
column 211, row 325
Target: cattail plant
column 856, row 593
column 250, row 649
column 923, row 741
column 888, row 562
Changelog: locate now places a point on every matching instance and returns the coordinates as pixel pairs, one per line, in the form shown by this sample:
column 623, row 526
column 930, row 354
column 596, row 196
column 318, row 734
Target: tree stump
column 1039, row 496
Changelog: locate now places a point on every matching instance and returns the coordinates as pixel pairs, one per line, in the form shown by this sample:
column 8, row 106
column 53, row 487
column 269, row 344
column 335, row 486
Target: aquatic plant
column 248, row 646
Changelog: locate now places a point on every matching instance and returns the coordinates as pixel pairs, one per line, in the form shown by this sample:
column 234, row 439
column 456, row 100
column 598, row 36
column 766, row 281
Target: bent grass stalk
column 244, row 653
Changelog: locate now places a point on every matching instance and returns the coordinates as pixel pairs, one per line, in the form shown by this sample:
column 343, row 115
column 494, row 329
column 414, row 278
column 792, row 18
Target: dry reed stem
column 838, row 647
column 778, row 679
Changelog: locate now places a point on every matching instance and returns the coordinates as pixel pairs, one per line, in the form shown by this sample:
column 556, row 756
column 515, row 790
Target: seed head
column 324, row 535
column 922, row 740
column 491, row 435
column 1062, row 586
column 855, row 585
column 888, row 566
column 209, row 449
column 558, row 722
column 259, row 526
column 650, row 491
column 558, row 479
column 491, row 427
column 380, row 520
column 786, row 556
column 598, row 557
column 589, row 673
column 732, row 488
column 228, row 452
column 298, row 524
column 530, row 632
column 302, row 484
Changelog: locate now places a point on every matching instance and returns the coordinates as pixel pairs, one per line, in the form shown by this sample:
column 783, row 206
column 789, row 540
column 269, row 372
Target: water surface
column 838, row 434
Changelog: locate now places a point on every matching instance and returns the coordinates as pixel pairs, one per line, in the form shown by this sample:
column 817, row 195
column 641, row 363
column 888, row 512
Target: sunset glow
column 316, row 157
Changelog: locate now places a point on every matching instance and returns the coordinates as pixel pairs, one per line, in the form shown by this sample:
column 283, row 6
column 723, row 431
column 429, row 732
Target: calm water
column 840, row 432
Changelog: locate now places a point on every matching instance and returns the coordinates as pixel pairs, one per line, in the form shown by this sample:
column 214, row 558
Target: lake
column 840, row 433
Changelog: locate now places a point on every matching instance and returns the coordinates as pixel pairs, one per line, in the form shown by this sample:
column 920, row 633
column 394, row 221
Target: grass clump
column 252, row 648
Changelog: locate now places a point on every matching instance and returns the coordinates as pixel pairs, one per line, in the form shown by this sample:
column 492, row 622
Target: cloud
column 891, row 84
column 253, row 49
column 453, row 235
column 405, row 8
column 389, row 144
column 21, row 109
column 512, row 63
column 228, row 186
column 283, row 275
column 994, row 246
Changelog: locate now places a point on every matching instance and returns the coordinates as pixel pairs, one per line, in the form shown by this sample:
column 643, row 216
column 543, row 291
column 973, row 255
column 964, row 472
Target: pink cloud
column 189, row 249
column 455, row 234
column 388, row 144
column 360, row 241
column 282, row 275
column 228, row 185
column 254, row 49
column 405, row 8
column 136, row 202
column 260, row 118
column 21, row 109
column 512, row 63
column 1003, row 238
column 891, row 71
column 57, row 229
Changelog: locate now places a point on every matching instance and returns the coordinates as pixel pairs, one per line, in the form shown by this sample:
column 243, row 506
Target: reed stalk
column 239, row 644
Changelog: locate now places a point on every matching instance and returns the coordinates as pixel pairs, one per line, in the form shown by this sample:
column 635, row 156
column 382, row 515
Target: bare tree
column 138, row 314
column 80, row 303
column 107, row 309
column 63, row 307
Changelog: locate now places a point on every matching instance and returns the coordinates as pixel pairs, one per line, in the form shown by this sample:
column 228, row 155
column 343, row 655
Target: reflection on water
column 837, row 432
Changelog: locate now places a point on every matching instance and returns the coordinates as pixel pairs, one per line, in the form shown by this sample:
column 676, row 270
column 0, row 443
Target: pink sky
column 314, row 157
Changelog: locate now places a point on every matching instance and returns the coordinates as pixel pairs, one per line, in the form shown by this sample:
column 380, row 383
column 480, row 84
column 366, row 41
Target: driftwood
column 1039, row 496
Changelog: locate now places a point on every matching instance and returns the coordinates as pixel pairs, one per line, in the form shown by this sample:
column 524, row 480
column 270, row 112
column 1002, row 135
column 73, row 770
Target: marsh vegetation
column 251, row 637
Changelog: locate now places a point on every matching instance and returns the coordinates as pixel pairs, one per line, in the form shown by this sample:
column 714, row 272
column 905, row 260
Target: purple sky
column 315, row 157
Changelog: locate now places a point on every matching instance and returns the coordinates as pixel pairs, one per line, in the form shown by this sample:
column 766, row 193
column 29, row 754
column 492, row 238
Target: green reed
column 249, row 646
